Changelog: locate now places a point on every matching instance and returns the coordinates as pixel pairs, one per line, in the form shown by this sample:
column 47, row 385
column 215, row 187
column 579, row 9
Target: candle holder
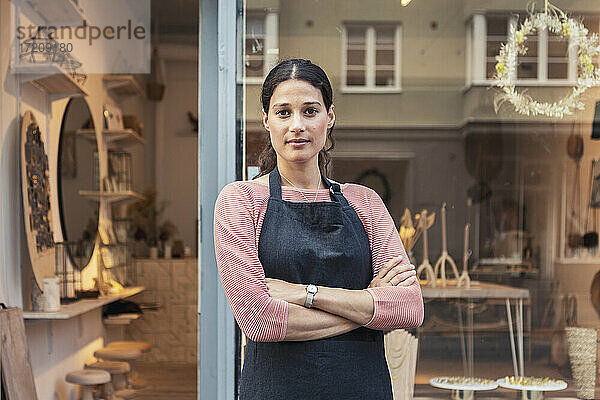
column 426, row 265
column 440, row 265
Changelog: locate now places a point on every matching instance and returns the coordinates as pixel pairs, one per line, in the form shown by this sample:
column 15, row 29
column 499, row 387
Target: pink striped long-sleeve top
column 239, row 213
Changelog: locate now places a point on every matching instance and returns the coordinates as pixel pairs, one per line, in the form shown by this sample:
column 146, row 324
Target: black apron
column 323, row 243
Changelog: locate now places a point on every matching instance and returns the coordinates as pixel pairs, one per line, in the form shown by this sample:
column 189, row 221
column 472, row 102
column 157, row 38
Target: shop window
column 371, row 59
column 260, row 44
column 548, row 60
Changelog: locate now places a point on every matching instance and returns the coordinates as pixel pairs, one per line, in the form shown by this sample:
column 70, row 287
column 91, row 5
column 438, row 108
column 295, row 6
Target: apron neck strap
column 335, row 191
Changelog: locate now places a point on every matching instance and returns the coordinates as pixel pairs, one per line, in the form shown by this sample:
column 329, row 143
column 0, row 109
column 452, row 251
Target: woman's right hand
column 394, row 274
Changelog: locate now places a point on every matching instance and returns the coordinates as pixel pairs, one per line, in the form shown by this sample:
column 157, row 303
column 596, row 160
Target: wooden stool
column 88, row 379
column 144, row 347
column 118, row 372
column 121, row 354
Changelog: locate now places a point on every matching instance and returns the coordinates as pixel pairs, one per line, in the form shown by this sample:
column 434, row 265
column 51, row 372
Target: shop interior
column 99, row 212
column 495, row 204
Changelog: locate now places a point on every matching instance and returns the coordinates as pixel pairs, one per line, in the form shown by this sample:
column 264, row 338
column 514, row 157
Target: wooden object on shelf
column 123, row 85
column 440, row 265
column 426, row 265
column 17, row 375
column 120, row 136
column 51, row 79
column 82, row 306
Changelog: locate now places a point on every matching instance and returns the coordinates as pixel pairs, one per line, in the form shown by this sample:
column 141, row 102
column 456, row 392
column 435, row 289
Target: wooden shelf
column 58, row 12
column 51, row 79
column 120, row 136
column 123, row 85
column 127, row 195
column 68, row 311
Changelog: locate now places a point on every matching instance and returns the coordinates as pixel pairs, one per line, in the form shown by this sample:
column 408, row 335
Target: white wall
column 57, row 347
column 11, row 230
column 177, row 147
column 60, row 346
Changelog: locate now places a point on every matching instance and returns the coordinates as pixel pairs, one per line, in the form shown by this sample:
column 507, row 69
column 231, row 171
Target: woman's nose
column 297, row 123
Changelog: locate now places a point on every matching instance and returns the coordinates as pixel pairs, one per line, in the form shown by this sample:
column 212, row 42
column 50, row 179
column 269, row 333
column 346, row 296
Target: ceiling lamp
column 405, row 2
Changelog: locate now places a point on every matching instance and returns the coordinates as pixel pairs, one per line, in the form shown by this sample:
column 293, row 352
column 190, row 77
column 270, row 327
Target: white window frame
column 370, row 43
column 476, row 57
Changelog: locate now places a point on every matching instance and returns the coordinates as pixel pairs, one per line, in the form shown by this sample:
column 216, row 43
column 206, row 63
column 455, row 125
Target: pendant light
column 405, row 2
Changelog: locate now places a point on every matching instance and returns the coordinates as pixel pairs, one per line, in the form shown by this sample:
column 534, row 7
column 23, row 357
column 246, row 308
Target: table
column 489, row 291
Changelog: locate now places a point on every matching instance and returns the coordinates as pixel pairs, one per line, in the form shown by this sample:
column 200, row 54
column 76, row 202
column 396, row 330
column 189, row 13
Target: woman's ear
column 265, row 120
column 331, row 117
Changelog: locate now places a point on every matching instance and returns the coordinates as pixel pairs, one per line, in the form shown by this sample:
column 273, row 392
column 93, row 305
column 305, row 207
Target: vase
column 154, row 252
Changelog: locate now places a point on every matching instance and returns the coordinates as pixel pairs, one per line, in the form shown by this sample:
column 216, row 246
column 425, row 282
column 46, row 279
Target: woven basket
column 582, row 349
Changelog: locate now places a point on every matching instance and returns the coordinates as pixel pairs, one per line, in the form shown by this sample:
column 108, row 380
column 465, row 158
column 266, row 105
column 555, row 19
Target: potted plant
column 144, row 216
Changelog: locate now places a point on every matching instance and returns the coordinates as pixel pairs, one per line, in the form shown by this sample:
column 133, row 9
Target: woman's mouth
column 298, row 142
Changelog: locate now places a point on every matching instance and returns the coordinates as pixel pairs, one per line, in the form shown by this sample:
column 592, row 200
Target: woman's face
column 297, row 121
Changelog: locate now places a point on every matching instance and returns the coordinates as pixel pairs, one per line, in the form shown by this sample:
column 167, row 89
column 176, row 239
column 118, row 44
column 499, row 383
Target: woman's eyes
column 285, row 113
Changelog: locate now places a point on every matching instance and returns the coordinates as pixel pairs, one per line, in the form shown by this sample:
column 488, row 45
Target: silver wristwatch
column 311, row 290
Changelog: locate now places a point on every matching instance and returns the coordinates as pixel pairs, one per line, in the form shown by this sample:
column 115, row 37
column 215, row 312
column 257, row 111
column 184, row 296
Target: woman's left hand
column 290, row 292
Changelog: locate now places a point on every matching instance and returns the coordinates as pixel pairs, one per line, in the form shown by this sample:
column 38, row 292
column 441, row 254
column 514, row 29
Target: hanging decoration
column 557, row 22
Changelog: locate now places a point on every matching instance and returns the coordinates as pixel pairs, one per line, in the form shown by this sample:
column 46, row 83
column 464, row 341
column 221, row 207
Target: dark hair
column 304, row 70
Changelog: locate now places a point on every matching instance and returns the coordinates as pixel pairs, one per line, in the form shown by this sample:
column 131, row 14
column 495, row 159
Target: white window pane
column 527, row 70
column 356, row 34
column 558, row 70
column 356, row 57
column 532, row 47
column 384, row 57
column 493, row 47
column 355, row 78
column 384, row 78
column 497, row 25
column 557, row 47
column 385, row 35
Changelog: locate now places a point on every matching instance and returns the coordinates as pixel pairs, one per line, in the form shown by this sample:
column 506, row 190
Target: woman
column 314, row 271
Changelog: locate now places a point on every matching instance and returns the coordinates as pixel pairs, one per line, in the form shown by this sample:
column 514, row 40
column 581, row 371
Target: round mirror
column 78, row 172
